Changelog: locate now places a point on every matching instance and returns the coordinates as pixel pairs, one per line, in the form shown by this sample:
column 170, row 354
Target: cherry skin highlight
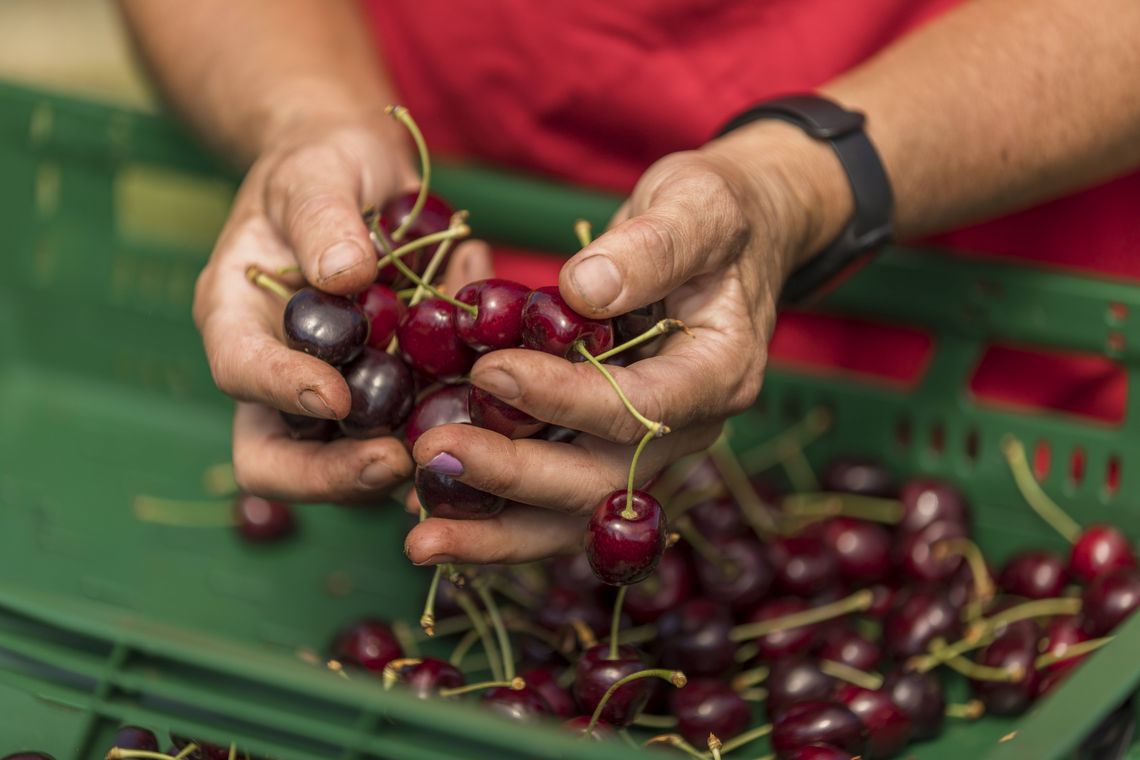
column 1099, row 549
column 498, row 321
column 622, row 550
column 858, row 475
column 550, row 325
column 368, row 643
column 926, row 501
column 382, row 393
column 443, row 406
column 261, row 520
column 794, row 680
column 1034, row 575
column 848, row 648
column 888, row 728
column 524, row 705
column 444, row 496
column 1110, row 600
column 920, row 696
column 332, row 328
column 428, row 676
column 863, row 549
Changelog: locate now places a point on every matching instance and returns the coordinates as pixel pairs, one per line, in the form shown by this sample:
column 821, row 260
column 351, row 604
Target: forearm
column 246, row 73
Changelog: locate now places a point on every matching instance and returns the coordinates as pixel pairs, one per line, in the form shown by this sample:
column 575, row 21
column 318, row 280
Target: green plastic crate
column 104, row 394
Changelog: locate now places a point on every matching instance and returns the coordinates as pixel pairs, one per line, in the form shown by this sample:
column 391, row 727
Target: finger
column 689, row 225
column 517, row 534
column 469, row 262
column 412, row 502
column 269, row 463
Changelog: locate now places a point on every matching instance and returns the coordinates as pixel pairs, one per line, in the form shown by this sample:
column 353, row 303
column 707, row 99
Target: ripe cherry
column 29, row 756
column 670, row 584
column 1010, row 653
column 443, row 406
column 882, row 600
column 1034, row 575
column 429, row 675
column 741, row 578
column 818, row 752
column 368, row 643
column 206, row 751
column 490, row 413
column 920, row 696
column 925, row 501
column 544, row 681
column 862, row 548
column 595, row 673
column 429, row 341
column 818, row 723
column 302, row 427
column 917, row 619
column 633, row 323
column 550, row 325
column 563, row 605
column 919, row 556
column 780, row 644
column 444, row 496
column 383, row 309
column 804, row 565
column 845, row 646
column 133, row 737
column 261, row 520
column 498, row 320
column 858, row 475
column 524, row 705
column 382, row 392
column 694, row 638
column 332, row 328
column 601, row 732
column 708, row 706
column 624, row 543
column 718, row 518
column 1028, row 630
column 794, row 680
column 574, row 571
column 435, row 216
column 1099, row 549
column 889, row 729
column 1062, row 633
column 1110, row 600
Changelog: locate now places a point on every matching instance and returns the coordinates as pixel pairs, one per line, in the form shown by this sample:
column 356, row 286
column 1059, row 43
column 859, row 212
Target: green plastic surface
column 105, row 394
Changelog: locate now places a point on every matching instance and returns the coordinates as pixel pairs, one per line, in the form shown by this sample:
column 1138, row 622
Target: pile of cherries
column 133, row 741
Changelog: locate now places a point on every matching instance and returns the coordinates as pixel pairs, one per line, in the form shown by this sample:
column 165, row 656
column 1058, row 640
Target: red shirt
column 594, row 91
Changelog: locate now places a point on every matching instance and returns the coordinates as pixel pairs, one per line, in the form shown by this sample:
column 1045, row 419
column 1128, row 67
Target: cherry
column 383, row 308
column 443, row 406
column 794, row 680
column 260, row 520
column 889, row 729
column 595, row 673
column 708, row 706
column 429, row 341
column 718, row 518
column 524, row 705
column 579, row 725
column 918, row 619
column 779, row 644
column 819, row 752
column 1028, row 630
column 29, row 756
column 368, row 643
column 624, row 544
column 1062, row 633
column 804, row 565
column 669, row 585
column 574, row 571
column 882, row 600
column 1110, row 600
column 382, row 392
column 563, row 605
column 543, row 681
column 818, row 723
column 556, row 434
column 862, row 548
column 917, row 556
column 694, row 638
column 498, row 320
column 857, row 475
column 1051, row 680
column 435, row 216
column 488, row 412
column 925, row 501
column 920, row 696
column 332, row 328
column 444, row 496
column 1011, row 652
column 848, row 648
column 741, row 578
column 206, row 751
column 1034, row 575
column 633, row 323
column 133, row 737
column 429, row 675
column 550, row 325
column 301, row 427
column 1099, row 549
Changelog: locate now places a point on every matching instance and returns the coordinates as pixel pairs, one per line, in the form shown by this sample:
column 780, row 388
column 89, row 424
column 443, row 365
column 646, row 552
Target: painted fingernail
column 445, row 464
column 314, row 404
column 437, row 559
column 597, row 281
column 377, row 475
column 337, row 258
column 498, row 383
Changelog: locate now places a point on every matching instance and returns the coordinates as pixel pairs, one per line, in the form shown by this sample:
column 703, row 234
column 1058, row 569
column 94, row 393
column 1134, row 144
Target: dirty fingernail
column 597, row 281
column 445, row 464
column 314, row 404
column 437, row 559
column 377, row 475
column 337, row 258
column 499, row 383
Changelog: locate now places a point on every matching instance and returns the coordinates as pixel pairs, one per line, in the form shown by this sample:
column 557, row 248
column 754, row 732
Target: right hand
column 300, row 204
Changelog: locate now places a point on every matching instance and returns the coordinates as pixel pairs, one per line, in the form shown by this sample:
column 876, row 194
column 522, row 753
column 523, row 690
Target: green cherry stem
column 500, row 629
column 218, row 480
column 628, row 513
column 984, row 589
column 615, row 622
column 117, row 753
column 187, row 751
column 978, row 672
column 657, row 428
column 676, row 741
column 798, row 436
column 514, row 683
column 209, row 513
column 799, row 470
column 675, row 677
column 702, row 546
column 1072, row 651
column 871, row 681
column 825, row 504
column 746, row 738
column 1031, row 491
column 584, row 231
column 400, row 114
column 755, row 511
column 233, row 751
column 857, row 602
column 494, row 661
column 663, row 327
column 451, row 233
column 254, row 274
column 436, row 292
column 645, row 720
column 427, row 619
column 437, row 259
column 715, row 745
column 971, row 710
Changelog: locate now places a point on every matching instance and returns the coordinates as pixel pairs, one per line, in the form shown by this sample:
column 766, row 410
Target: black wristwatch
column 870, row 225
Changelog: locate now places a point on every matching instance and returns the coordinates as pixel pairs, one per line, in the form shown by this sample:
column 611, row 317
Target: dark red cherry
column 260, row 520
column 918, row 558
column 863, row 549
column 302, row 427
column 383, row 309
column 595, row 672
column 331, row 328
column 382, row 393
column 1051, row 679
column 524, row 705
column 429, row 342
column 601, row 732
column 845, row 646
column 707, row 706
column 633, row 323
column 1109, row 601
column 429, row 675
column 917, row 619
column 206, row 751
column 793, row 680
column 719, row 518
column 882, row 600
column 818, row 723
column 368, row 643
column 544, row 681
column 550, row 325
column 960, row 588
column 490, row 413
column 920, row 696
column 133, row 737
column 693, row 638
column 435, row 216
column 574, row 571
column 29, row 756
column 562, row 605
column 498, row 321
column 741, row 578
column 670, row 584
column 556, row 434
column 443, row 406
column 888, row 728
column 1062, row 633
column 779, row 644
column 1008, row 698
column 444, row 496
column 804, row 565
column 624, row 550
column 858, row 475
column 1099, row 549
column 818, row 752
column 1034, row 575
column 926, row 501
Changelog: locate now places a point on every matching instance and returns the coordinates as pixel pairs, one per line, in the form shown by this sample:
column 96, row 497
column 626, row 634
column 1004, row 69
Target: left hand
column 714, row 232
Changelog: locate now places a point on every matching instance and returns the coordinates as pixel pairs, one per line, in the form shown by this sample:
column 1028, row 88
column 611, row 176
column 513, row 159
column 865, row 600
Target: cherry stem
column 584, row 231
column 675, row 677
column 259, row 278
column 645, row 720
column 546, row 637
column 615, row 622
column 494, row 662
column 799, row 470
column 628, row 513
column 676, row 741
column 746, row 738
column 746, row 652
column 405, row 270
column 753, row 695
column 857, row 602
column 1047, row 509
column 715, row 744
column 755, row 511
column 391, row 257
column 978, row 672
column 118, row 752
column 704, row 547
column 637, row 635
column 657, row 428
column 233, row 752
column 406, row 294
column 187, row 751
column 515, row 683
column 663, row 327
column 427, row 619
column 585, row 636
column 871, row 681
column 1070, row 652
column 406, row 639
column 210, row 513
column 689, row 499
column 748, row 678
column 218, row 479
column 400, row 114
column 674, row 478
column 797, row 437
column 390, row 676
column 825, row 504
column 500, row 629
column 971, row 710
column 459, row 217
column 969, row 551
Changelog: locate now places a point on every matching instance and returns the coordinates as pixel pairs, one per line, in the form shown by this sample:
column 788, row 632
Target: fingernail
column 376, row 475
column 314, row 404
column 337, row 258
column 498, row 383
column 597, row 281
column 445, row 464
column 436, row 559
